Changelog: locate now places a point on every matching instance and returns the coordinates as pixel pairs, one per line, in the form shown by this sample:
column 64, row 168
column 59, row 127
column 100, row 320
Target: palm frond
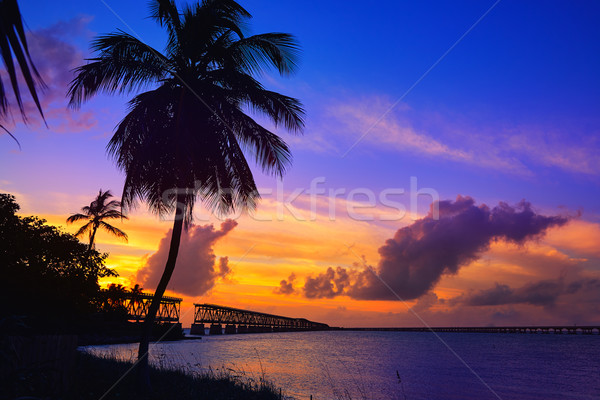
column 103, row 196
column 165, row 12
column 114, row 231
column 10, row 134
column 113, row 214
column 225, row 14
column 242, row 87
column 77, row 217
column 256, row 53
column 280, row 109
column 85, row 228
column 228, row 9
column 124, row 64
column 14, row 41
column 271, row 153
column 113, row 205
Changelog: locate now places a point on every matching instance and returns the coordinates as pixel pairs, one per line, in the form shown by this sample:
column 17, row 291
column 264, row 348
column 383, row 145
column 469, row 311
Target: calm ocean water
column 363, row 365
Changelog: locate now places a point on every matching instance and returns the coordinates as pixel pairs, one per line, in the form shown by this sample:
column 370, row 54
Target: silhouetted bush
column 50, row 278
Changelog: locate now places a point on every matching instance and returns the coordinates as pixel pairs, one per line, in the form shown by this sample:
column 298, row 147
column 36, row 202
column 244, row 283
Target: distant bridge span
column 552, row 329
column 245, row 321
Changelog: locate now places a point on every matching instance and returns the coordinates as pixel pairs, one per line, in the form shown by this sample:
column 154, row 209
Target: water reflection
column 393, row 365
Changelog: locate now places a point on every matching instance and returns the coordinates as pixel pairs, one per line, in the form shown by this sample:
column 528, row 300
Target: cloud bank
column 418, row 255
column 197, row 267
column 542, row 293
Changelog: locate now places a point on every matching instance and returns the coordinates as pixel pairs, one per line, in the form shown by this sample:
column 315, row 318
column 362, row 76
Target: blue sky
column 510, row 113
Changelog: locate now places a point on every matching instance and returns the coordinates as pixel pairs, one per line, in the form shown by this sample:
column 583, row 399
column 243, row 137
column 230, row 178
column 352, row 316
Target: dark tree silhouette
column 184, row 139
column 114, row 298
column 136, row 292
column 14, row 42
column 45, row 269
column 96, row 213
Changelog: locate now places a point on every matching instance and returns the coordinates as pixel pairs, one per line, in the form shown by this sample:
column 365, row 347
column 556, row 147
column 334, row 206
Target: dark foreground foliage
column 92, row 378
column 48, row 274
column 51, row 285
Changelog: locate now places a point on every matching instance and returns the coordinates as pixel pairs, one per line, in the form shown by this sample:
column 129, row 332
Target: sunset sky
column 504, row 131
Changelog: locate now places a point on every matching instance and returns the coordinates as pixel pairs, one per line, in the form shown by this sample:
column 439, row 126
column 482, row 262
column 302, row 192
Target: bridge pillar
column 242, row 329
column 216, row 329
column 197, row 329
column 229, row 329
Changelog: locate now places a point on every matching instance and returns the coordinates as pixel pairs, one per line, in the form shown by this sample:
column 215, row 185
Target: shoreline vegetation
column 113, row 379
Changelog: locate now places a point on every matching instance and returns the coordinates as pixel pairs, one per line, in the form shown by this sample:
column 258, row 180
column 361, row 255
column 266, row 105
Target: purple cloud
column 415, row 259
column 286, row 286
column 542, row 293
column 328, row 284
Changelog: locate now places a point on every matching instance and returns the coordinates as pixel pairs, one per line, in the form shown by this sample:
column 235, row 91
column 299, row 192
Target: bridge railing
column 138, row 304
column 214, row 314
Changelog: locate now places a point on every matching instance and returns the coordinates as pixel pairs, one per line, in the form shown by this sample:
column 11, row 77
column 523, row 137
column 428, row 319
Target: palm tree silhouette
column 96, row 213
column 14, row 41
column 184, row 139
column 137, row 290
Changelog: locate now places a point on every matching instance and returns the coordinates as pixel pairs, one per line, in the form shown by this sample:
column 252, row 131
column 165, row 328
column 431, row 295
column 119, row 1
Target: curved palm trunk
column 143, row 367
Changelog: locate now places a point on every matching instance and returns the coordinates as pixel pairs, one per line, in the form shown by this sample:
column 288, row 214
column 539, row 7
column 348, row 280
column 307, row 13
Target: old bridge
column 245, row 321
column 137, row 305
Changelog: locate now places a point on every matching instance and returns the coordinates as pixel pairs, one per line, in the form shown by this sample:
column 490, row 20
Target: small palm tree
column 137, row 290
column 96, row 213
column 184, row 139
column 136, row 296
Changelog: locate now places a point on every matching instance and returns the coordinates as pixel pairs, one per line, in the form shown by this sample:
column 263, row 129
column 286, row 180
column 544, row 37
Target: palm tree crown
column 186, row 136
column 96, row 213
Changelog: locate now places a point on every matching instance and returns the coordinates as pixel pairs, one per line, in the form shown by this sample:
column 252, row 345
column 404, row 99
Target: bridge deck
column 214, row 314
column 558, row 329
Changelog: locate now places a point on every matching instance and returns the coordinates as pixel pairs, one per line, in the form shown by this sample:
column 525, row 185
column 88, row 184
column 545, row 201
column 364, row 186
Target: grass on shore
column 94, row 376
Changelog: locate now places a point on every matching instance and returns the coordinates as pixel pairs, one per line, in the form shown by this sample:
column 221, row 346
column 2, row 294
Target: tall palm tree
column 14, row 42
column 184, row 139
column 96, row 215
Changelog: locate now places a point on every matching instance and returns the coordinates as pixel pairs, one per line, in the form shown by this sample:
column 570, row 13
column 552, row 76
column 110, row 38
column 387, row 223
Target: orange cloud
column 579, row 236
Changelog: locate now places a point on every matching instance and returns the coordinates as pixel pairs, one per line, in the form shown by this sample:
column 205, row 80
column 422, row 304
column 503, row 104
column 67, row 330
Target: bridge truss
column 213, row 314
column 137, row 305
